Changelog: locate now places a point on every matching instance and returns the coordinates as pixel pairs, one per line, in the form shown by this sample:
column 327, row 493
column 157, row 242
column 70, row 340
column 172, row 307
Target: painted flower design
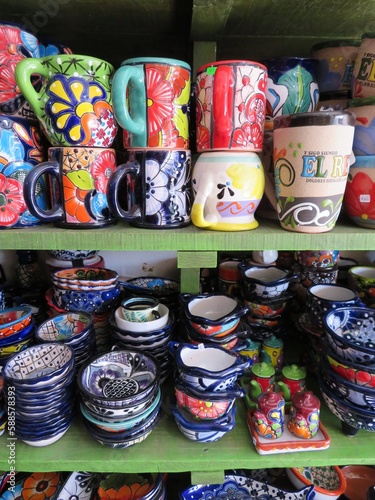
column 8, row 85
column 160, row 106
column 12, row 203
column 13, row 494
column 100, row 378
column 75, row 195
column 75, row 107
column 32, row 139
column 40, row 486
column 102, row 168
column 361, row 188
column 134, row 491
column 156, row 188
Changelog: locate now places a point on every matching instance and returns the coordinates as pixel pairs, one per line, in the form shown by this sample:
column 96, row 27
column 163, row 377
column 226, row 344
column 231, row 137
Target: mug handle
column 136, row 101
column 23, row 73
column 30, row 183
column 113, row 190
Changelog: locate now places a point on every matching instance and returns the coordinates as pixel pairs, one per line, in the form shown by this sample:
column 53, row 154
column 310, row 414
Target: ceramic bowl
column 119, row 378
column 79, row 485
column 14, row 319
column 82, row 278
column 359, row 478
column 15, row 338
column 39, row 365
column 351, row 329
column 265, row 281
column 72, row 254
column 362, row 279
column 354, row 372
column 317, row 259
column 206, row 405
column 352, row 416
column 212, row 314
column 244, row 487
column 95, row 301
column 204, row 431
column 65, row 327
column 227, row 341
column 206, row 367
column 328, row 481
column 146, row 486
column 308, row 276
column 166, row 290
column 355, row 394
column 142, row 327
column 267, row 308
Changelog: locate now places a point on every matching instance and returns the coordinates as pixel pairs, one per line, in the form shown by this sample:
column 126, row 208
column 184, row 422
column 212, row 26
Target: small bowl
column 165, row 289
column 317, row 259
column 359, row 478
column 267, row 308
column 265, row 281
column 14, row 319
column 142, row 327
column 147, row 486
column 329, row 482
column 207, row 367
column 72, row 254
column 308, row 276
column 95, row 301
column 85, row 278
column 65, row 327
column 362, row 279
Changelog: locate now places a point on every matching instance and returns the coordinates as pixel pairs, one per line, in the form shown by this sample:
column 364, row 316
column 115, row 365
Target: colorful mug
column 156, row 192
column 74, row 104
column 151, row 101
column 228, row 187
column 230, row 106
column 78, row 187
column 364, row 68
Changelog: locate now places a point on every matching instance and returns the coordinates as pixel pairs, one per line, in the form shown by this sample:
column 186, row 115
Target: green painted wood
column 209, row 19
column 167, row 449
column 190, row 280
column 207, row 477
column 204, row 52
column 191, row 260
column 269, row 235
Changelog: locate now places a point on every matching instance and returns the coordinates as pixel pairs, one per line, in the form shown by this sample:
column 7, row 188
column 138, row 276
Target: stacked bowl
column 17, row 330
column 120, row 397
column 39, row 387
column 75, row 329
column 63, row 259
column 347, row 370
column 206, row 389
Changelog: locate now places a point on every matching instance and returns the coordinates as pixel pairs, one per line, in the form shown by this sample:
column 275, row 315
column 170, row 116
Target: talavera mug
column 153, row 189
column 230, row 106
column 74, row 104
column 78, row 187
column 151, row 102
column 228, row 187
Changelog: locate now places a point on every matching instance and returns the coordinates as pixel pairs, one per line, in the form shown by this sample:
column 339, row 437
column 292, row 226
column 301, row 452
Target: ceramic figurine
column 304, row 415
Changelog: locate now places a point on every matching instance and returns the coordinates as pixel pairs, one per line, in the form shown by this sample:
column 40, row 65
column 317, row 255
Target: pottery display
column 166, row 290
column 293, row 380
column 14, row 319
column 328, row 481
column 304, row 415
column 143, row 486
column 262, row 379
column 265, row 281
column 142, row 327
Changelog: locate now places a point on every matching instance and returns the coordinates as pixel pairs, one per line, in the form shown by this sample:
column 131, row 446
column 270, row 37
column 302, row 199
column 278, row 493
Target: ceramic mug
column 304, row 415
column 364, row 68
column 140, row 309
column 269, row 417
column 364, row 126
column 230, row 106
column 312, row 156
column 151, row 101
column 74, row 104
column 157, row 189
column 78, row 188
column 21, row 150
column 228, row 187
column 16, row 44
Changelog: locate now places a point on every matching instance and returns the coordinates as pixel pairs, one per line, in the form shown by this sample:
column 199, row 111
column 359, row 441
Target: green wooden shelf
column 168, row 450
column 269, row 235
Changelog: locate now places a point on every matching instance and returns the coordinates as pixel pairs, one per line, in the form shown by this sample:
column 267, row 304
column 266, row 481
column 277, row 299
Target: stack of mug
column 228, row 177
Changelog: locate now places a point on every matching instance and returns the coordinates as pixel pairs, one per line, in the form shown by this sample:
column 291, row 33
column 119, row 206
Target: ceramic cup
column 312, row 156
column 21, row 151
column 359, row 198
column 317, row 259
column 16, row 44
column 292, row 86
column 74, row 104
column 335, row 64
column 151, row 102
column 140, row 309
column 230, row 106
column 364, row 68
column 152, row 189
column 79, row 178
column 304, row 415
column 228, row 187
column 269, row 417
column 364, row 132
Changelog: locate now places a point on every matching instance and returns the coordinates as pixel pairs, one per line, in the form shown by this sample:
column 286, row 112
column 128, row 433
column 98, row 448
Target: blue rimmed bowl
column 68, row 327
column 14, row 319
column 94, row 301
column 265, row 281
column 85, row 278
column 207, row 367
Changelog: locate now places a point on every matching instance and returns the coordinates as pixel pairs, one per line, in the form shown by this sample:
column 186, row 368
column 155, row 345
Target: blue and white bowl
column 95, row 301
column 265, row 281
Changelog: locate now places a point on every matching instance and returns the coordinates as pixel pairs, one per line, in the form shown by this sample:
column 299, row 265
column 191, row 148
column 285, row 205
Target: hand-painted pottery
column 362, row 279
column 362, row 80
column 351, row 329
column 165, row 289
column 328, row 481
column 354, row 394
column 21, row 150
column 292, row 86
column 269, row 417
column 293, row 380
column 230, row 106
column 312, row 156
column 94, row 302
column 142, row 486
column 265, row 281
column 262, row 379
column 364, row 126
column 151, row 102
column 78, row 196
column 87, row 279
column 336, row 60
column 358, row 192
column 74, row 104
column 65, row 327
column 317, row 259
column 142, row 327
column 334, row 101
column 14, row 319
column 359, row 480
column 239, row 487
column 203, row 431
column 304, row 415
column 272, row 351
column 80, row 485
column 207, row 367
column 267, row 308
column 206, row 405
column 140, row 309
column 214, row 314
column 228, row 187
column 71, row 255
column 153, row 189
